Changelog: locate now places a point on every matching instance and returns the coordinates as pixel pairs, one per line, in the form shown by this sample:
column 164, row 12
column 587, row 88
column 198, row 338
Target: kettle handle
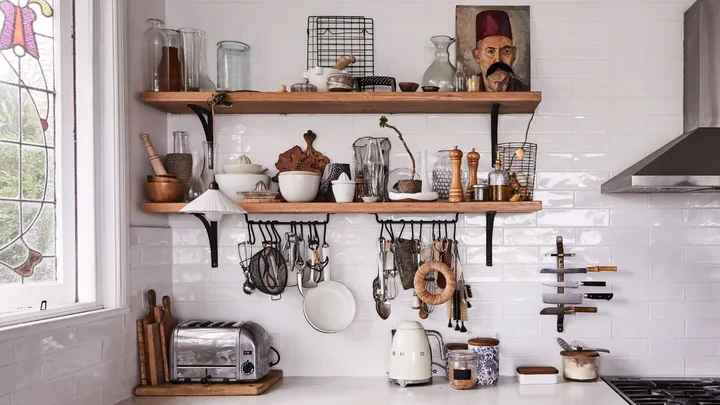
column 439, row 338
column 271, row 364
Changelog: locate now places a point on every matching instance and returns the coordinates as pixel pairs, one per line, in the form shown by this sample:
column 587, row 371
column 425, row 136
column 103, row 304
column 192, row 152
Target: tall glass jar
column 157, row 68
column 460, row 78
column 442, row 175
column 189, row 59
column 203, row 80
column 233, row 65
column 172, row 53
column 195, row 186
column 441, row 73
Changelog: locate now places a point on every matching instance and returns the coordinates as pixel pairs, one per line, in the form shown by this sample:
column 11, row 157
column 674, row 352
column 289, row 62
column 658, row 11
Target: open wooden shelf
column 368, row 208
column 350, row 103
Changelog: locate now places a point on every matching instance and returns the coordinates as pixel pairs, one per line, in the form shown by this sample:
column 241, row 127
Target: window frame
column 101, row 236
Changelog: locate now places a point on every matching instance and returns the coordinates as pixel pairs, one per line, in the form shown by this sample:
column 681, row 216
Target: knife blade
column 567, row 310
column 575, row 270
column 575, row 284
column 574, row 298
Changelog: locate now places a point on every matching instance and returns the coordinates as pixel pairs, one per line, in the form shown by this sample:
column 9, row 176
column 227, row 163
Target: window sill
column 23, row 329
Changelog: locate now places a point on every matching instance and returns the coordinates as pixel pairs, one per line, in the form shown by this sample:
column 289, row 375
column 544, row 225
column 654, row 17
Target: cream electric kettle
column 410, row 354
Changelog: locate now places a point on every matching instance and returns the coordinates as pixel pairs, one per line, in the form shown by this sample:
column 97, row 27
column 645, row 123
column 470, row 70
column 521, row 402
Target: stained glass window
column 27, row 142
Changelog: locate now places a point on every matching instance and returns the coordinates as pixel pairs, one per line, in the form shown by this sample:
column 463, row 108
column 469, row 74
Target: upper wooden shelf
column 367, row 208
column 351, row 103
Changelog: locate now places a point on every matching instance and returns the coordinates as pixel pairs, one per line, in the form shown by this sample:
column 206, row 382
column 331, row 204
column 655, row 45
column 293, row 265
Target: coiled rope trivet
column 419, row 283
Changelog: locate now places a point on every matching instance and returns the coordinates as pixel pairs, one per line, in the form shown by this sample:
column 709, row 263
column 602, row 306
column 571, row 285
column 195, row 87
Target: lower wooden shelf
column 367, row 208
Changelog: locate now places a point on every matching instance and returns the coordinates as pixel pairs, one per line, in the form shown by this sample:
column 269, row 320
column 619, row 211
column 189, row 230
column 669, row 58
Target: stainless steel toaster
column 212, row 351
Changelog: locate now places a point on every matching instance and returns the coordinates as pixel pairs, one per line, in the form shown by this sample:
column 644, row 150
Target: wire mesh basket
column 519, row 160
column 331, row 37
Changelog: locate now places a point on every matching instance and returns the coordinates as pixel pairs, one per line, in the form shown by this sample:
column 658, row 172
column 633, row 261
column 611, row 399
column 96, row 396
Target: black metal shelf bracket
column 494, row 117
column 489, row 228
column 211, row 227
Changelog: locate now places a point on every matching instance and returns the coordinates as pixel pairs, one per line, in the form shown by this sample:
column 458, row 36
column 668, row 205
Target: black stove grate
column 660, row 391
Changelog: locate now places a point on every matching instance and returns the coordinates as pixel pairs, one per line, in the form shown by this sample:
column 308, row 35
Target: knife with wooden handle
column 577, row 270
column 567, row 310
column 575, row 298
column 575, row 284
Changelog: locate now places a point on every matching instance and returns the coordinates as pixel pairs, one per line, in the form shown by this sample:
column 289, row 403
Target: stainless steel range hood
column 691, row 162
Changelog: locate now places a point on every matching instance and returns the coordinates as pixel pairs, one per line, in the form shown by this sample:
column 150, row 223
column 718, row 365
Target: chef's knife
column 575, row 284
column 571, row 270
column 567, row 310
column 574, row 298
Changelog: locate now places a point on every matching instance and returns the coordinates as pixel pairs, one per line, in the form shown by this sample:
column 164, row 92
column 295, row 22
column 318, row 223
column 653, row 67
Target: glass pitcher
column 371, row 163
column 441, row 73
column 233, row 65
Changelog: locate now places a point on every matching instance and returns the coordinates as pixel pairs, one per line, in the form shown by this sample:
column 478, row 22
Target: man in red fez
column 495, row 52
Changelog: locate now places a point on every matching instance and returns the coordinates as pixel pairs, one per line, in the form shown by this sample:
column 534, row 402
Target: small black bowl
column 430, row 89
column 408, row 86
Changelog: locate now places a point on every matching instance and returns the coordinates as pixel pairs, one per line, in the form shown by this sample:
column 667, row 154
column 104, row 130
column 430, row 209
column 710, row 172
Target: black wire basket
column 331, row 37
column 519, row 160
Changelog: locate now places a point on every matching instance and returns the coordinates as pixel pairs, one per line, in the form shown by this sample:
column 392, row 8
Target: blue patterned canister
column 488, row 353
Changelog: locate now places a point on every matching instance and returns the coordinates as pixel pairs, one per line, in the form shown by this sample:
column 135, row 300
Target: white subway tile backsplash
column 684, row 348
column 702, row 329
column 708, row 217
column 648, row 366
column 89, row 379
column 94, row 331
column 613, row 236
column 20, row 375
column 646, row 217
column 684, row 310
column 649, row 292
column 47, row 393
column 71, row 360
column 575, row 217
column 685, row 236
column 635, row 329
column 36, row 345
column 707, row 367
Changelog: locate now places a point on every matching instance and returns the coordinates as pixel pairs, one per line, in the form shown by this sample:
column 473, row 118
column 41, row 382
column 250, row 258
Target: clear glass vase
column 203, row 80
column 195, row 186
column 441, row 73
column 157, row 68
column 208, row 167
column 189, row 59
column 233, row 65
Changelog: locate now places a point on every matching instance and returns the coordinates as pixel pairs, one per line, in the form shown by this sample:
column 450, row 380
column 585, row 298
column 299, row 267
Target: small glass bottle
column 180, row 142
column 460, row 78
column 195, row 187
column 157, row 69
column 499, row 182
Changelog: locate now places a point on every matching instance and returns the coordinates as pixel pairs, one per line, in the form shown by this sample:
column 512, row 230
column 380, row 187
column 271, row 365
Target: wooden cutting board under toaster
column 154, row 333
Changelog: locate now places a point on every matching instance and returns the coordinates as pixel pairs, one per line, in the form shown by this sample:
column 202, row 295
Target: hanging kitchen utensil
column 290, row 256
column 245, row 254
column 382, row 304
column 268, row 270
column 424, row 295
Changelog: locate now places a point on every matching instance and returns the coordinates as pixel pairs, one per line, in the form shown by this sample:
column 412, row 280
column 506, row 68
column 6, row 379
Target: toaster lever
column 206, row 379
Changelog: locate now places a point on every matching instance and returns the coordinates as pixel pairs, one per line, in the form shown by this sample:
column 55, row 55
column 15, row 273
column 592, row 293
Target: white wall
column 610, row 73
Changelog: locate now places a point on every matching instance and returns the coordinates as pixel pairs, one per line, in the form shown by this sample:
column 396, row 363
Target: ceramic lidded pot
column 488, row 353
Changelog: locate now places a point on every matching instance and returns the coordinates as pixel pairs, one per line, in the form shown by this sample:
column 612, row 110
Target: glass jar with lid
column 499, row 182
column 233, row 65
column 462, row 369
column 442, row 175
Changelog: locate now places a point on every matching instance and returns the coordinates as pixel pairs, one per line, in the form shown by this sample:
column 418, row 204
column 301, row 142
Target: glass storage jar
column 580, row 365
column 233, row 66
column 172, row 53
column 462, row 369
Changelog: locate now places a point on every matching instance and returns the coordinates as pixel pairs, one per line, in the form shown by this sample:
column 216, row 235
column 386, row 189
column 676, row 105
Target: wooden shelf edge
column 350, row 103
column 368, row 208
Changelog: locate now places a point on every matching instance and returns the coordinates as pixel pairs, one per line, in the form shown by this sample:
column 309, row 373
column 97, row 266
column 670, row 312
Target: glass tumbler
column 157, row 70
column 190, row 59
column 204, row 81
column 233, row 65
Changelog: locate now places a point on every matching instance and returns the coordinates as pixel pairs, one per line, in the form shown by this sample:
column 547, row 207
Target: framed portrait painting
column 494, row 42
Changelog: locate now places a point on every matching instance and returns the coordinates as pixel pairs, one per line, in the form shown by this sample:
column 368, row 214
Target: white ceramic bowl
column 232, row 184
column 250, row 168
column 299, row 186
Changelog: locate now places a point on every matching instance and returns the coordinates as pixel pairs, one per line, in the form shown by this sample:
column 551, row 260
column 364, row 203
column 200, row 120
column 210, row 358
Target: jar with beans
column 462, row 369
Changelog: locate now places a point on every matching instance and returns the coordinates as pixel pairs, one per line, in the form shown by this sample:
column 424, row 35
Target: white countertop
column 377, row 391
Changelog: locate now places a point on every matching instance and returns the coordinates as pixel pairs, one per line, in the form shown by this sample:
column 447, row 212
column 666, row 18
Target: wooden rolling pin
column 343, row 62
column 154, row 158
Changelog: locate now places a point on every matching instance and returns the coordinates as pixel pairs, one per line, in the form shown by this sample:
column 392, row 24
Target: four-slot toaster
column 213, row 351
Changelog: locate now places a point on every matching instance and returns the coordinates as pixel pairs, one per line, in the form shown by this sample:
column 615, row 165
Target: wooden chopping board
column 308, row 160
column 211, row 390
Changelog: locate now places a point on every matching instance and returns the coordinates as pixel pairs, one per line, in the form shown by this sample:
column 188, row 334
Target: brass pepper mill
column 473, row 159
column 456, row 189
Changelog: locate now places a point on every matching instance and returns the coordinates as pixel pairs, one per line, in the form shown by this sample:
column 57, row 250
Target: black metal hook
column 402, row 229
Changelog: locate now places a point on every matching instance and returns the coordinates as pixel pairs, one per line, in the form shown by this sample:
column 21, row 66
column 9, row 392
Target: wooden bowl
column 159, row 192
column 408, row 86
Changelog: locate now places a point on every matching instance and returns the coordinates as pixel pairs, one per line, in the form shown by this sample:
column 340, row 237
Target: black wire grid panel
column 520, row 166
column 331, row 37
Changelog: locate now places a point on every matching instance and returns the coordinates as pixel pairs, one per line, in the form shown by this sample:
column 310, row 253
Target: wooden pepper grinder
column 456, row 190
column 473, row 162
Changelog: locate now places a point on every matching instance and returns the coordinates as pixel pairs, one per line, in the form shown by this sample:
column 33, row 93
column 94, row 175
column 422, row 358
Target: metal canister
column 481, row 192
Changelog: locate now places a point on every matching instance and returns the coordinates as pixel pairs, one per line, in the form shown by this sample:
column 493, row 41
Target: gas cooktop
column 667, row 391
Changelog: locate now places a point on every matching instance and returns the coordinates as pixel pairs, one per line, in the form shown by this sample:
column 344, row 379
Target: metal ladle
column 382, row 304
